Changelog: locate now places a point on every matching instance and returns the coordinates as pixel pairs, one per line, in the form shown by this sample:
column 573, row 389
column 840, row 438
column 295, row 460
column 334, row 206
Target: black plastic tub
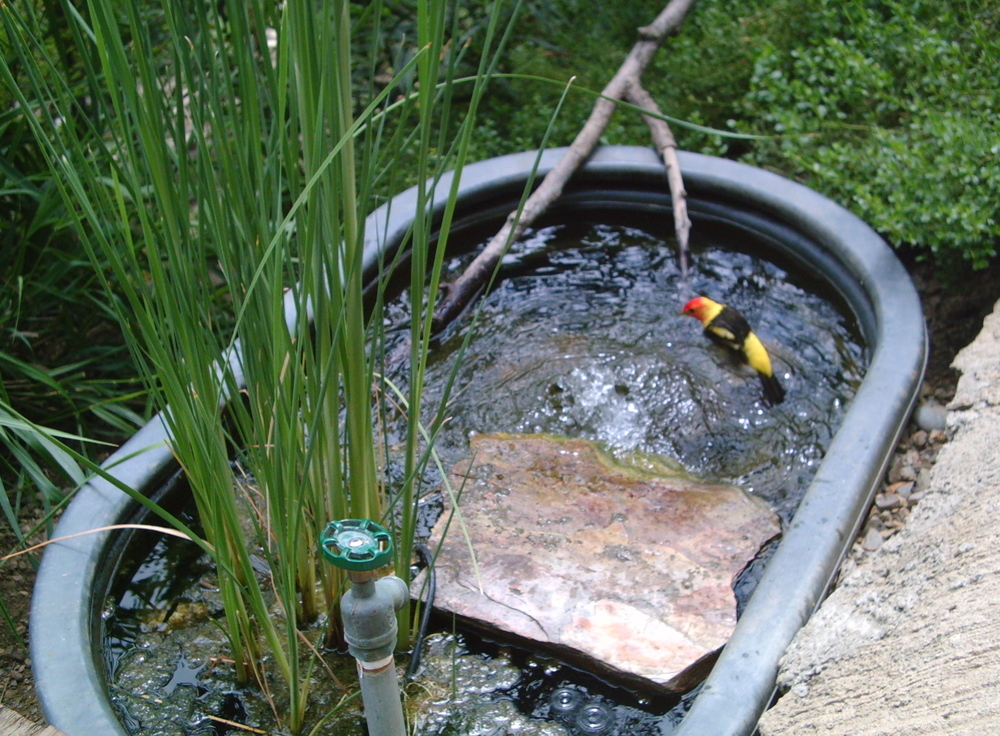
column 793, row 223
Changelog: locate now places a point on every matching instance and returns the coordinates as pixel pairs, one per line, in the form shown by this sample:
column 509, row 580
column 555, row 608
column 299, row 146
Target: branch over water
column 460, row 292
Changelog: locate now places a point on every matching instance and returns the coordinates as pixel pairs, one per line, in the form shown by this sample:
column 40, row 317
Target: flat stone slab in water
column 630, row 567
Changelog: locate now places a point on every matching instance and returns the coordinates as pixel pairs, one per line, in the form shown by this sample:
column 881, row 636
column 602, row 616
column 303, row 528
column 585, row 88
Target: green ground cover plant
column 889, row 108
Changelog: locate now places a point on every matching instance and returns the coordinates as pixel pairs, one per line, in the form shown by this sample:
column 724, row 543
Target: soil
column 17, row 576
column 954, row 317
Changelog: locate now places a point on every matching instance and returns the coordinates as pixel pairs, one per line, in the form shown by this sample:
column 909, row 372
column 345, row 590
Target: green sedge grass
column 237, row 144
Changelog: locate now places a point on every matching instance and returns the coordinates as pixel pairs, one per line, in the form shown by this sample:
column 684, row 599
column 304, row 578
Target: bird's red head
column 701, row 308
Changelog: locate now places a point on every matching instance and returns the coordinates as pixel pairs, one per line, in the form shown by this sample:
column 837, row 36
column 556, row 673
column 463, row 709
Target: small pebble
column 902, row 489
column 873, row 540
column 894, row 470
column 930, row 415
column 16, row 654
column 886, row 501
column 901, row 471
column 923, row 479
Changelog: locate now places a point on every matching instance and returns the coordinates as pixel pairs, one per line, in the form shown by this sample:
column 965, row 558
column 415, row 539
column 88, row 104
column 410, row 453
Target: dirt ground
column 954, row 318
column 17, row 576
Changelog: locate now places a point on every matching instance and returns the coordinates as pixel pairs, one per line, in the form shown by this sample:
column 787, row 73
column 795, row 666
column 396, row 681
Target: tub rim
column 65, row 664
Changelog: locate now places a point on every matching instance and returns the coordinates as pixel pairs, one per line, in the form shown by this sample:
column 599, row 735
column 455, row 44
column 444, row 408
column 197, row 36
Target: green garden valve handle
column 368, row 610
column 356, row 545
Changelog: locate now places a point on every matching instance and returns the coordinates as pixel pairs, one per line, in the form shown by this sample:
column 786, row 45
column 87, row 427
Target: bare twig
column 664, row 141
column 461, row 291
column 161, row 529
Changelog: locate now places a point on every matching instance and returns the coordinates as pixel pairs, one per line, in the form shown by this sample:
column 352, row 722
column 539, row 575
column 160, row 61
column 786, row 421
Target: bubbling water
column 565, row 701
column 583, row 338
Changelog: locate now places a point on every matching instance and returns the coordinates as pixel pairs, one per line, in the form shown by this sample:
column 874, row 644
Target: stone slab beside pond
column 909, row 642
column 629, row 565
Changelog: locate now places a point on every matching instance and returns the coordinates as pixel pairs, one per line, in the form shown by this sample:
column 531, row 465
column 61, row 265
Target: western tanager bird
column 727, row 327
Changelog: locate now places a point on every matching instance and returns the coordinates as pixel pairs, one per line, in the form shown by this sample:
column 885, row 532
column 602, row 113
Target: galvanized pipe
column 369, row 610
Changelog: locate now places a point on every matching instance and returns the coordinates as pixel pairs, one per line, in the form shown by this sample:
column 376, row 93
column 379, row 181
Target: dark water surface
column 583, row 338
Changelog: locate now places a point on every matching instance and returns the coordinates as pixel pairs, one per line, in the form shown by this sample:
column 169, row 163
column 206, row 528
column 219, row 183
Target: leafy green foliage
column 888, row 107
column 891, row 109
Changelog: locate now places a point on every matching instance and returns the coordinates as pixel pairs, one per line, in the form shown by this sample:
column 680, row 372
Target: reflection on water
column 494, row 691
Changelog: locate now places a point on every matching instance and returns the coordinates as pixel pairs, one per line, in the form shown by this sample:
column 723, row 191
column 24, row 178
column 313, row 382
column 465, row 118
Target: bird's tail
column 774, row 393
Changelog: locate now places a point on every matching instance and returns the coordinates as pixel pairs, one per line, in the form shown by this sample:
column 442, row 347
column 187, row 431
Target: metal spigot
column 369, row 610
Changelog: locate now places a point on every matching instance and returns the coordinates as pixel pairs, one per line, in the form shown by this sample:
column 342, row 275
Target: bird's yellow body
column 727, row 327
column 756, row 355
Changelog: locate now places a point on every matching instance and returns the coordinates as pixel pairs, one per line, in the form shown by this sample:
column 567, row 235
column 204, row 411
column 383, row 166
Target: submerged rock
column 628, row 567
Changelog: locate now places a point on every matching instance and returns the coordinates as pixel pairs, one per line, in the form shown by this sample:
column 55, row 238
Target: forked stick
column 460, row 292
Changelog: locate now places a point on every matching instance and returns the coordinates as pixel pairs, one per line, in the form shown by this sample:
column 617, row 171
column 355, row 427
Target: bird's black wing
column 729, row 329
